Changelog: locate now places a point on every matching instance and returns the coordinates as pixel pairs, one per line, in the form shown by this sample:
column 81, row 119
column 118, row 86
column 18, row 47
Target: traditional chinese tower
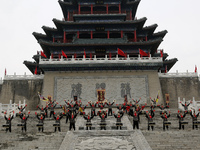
column 100, row 45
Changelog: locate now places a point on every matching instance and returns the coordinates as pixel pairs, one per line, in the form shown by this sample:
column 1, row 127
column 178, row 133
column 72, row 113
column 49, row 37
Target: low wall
column 20, row 89
column 183, row 87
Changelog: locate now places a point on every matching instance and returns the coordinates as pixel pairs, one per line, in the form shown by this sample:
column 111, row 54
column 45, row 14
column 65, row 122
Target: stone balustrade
column 106, row 59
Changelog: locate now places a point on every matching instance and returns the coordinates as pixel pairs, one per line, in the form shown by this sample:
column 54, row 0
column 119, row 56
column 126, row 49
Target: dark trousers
column 152, row 127
column 67, row 118
column 88, row 127
column 51, row 113
column 103, row 127
column 165, row 126
column 24, row 128
column 194, row 126
column 40, row 128
column 181, row 126
column 8, row 129
column 119, row 127
column 135, row 123
column 72, row 125
column 93, row 112
column 58, row 129
column 110, row 112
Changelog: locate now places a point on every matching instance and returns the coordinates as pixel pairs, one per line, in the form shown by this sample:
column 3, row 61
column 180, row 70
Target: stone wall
column 20, row 90
column 59, row 85
column 183, row 87
column 142, row 84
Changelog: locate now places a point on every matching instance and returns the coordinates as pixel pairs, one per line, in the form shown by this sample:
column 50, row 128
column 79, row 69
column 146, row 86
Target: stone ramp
column 106, row 140
column 109, row 139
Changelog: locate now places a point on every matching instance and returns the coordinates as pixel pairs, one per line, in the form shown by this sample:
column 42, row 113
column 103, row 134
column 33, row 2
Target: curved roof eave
column 160, row 34
column 49, row 30
column 46, row 43
column 59, row 23
column 39, row 35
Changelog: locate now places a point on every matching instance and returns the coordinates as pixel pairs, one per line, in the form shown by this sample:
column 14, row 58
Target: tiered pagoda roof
column 96, row 29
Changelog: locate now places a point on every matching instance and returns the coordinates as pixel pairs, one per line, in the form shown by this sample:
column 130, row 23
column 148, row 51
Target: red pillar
column 79, row 8
column 108, row 34
column 78, row 34
column 64, row 37
column 107, row 8
column 119, row 8
column 91, row 34
column 135, row 36
column 130, row 14
column 91, row 8
column 121, row 34
column 68, row 16
column 53, row 39
column 51, row 55
column 146, row 38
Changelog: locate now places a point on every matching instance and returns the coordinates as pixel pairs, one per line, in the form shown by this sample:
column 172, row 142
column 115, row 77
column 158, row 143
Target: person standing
column 181, row 117
column 165, row 120
column 23, row 120
column 110, row 108
column 93, row 108
column 119, row 120
column 72, row 118
column 135, row 116
column 88, row 123
column 103, row 117
column 149, row 116
column 57, row 123
column 194, row 119
column 8, row 121
column 40, row 124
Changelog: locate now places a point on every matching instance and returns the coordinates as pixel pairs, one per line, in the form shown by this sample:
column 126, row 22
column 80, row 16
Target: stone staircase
column 157, row 139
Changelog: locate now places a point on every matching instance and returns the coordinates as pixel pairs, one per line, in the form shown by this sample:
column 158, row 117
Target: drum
column 88, row 124
column 119, row 124
column 152, row 123
column 184, row 123
column 56, row 125
column 167, row 123
column 39, row 125
column 196, row 122
column 20, row 125
column 5, row 125
column 103, row 124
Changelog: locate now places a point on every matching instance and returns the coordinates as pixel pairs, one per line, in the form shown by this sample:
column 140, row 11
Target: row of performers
column 71, row 114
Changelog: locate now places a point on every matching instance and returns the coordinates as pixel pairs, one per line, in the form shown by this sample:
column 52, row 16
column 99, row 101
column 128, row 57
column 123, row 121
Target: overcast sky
column 20, row 18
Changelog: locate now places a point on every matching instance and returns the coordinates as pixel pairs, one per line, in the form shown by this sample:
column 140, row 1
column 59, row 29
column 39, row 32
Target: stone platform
column 173, row 139
column 109, row 139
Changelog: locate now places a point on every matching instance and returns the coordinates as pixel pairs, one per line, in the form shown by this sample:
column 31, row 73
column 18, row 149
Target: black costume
column 23, row 121
column 21, row 109
column 181, row 119
column 135, row 116
column 110, row 108
column 165, row 120
column 88, row 123
column 119, row 122
column 93, row 106
column 43, row 111
column 52, row 107
column 150, row 120
column 41, row 122
column 57, row 123
column 185, row 106
column 194, row 120
column 103, row 117
column 72, row 118
column 8, row 122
